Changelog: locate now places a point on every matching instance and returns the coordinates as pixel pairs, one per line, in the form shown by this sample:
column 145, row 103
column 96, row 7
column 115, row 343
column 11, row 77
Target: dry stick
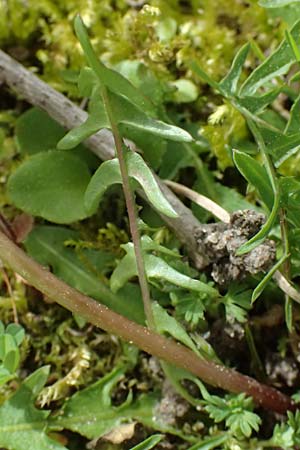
column 201, row 200
column 145, row 339
column 65, row 112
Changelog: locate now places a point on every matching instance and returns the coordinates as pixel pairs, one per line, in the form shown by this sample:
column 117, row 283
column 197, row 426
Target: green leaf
column 237, row 302
column 7, row 344
column 256, row 175
column 189, row 307
column 266, row 228
column 51, row 185
column 278, row 63
column 288, row 313
column 90, row 412
column 82, row 270
column 108, row 77
column 36, row 131
column 126, row 114
column 5, row 375
column 148, row 443
column 109, row 173
column 229, row 84
column 96, row 120
column 210, row 443
column 293, row 44
column 281, row 146
column 21, row 423
column 17, row 331
column 261, row 286
column 276, row 3
column 293, row 125
column 257, row 103
column 236, row 410
column 138, row 169
column 166, row 324
column 156, row 268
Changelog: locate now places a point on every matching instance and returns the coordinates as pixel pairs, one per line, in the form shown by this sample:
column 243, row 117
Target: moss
column 162, row 34
column 226, row 126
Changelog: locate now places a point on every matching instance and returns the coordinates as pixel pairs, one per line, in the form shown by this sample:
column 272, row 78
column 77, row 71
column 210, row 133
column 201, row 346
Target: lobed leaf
column 109, row 173
column 90, row 412
column 166, row 324
column 21, row 423
column 156, row 268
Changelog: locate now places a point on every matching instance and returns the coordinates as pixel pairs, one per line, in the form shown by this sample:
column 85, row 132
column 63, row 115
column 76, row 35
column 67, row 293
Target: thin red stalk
column 131, row 210
column 147, row 340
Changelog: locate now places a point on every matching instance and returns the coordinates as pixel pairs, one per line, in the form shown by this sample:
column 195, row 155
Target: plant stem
column 131, row 210
column 286, row 267
column 147, row 340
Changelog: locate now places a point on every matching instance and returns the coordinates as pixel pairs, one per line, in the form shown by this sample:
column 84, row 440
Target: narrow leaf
column 276, row 3
column 109, row 173
column 148, row 443
column 129, row 115
column 293, row 125
column 281, row 146
column 108, row 77
column 229, row 84
column 210, row 443
column 256, row 175
column 288, row 313
column 261, row 286
column 256, row 104
column 293, row 44
column 278, row 63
